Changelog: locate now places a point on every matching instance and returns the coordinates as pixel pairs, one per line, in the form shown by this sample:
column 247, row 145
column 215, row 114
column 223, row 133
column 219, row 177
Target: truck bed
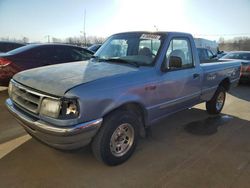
column 216, row 71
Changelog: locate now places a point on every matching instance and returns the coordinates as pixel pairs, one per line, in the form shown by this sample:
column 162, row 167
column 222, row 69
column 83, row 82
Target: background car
column 94, row 47
column 6, row 46
column 220, row 54
column 244, row 56
column 37, row 55
column 205, row 55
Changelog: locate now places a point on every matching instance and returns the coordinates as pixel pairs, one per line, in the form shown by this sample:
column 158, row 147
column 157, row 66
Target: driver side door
column 179, row 87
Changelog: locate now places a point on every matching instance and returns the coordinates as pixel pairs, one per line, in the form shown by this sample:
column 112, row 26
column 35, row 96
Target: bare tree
column 25, row 40
column 56, row 40
column 237, row 43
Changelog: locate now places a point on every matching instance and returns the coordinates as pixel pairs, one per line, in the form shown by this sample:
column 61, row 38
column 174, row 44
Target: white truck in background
column 208, row 44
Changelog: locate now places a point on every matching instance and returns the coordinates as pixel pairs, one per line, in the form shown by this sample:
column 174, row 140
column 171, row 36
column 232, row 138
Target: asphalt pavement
column 9, row 129
column 187, row 150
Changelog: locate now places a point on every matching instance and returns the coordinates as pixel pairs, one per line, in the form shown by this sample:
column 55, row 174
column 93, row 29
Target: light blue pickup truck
column 132, row 81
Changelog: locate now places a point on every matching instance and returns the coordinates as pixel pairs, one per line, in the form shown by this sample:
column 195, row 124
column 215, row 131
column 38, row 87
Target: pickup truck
column 134, row 80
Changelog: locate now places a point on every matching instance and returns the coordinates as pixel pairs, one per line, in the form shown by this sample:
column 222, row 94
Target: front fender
column 96, row 104
column 123, row 100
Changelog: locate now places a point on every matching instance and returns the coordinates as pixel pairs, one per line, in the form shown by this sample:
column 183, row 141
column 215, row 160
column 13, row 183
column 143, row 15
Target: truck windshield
column 132, row 48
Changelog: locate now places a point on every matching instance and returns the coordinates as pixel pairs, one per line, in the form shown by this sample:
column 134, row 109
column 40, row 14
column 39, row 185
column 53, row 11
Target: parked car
column 244, row 57
column 134, row 80
column 220, row 54
column 94, row 47
column 206, row 55
column 37, row 55
column 6, row 46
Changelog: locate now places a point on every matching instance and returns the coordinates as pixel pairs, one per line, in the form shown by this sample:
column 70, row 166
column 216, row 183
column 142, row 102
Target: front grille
column 25, row 98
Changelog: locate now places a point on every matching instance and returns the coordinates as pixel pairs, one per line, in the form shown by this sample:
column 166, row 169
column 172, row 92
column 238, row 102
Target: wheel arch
column 225, row 83
column 138, row 109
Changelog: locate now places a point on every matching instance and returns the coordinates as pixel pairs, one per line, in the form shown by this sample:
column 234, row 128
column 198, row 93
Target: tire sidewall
column 211, row 105
column 215, row 98
column 220, row 90
column 111, row 125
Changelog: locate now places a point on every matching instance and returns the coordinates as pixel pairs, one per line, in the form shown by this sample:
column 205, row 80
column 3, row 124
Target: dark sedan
column 6, row 46
column 94, row 47
column 37, row 55
column 244, row 57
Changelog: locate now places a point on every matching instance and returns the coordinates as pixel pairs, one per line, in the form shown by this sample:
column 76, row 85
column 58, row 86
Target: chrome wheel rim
column 122, row 139
column 220, row 101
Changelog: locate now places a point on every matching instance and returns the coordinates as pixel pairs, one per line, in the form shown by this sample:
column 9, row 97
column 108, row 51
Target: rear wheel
column 117, row 138
column 215, row 105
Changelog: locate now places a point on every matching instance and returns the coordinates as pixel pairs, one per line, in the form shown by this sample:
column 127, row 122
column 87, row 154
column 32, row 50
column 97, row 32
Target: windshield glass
column 245, row 56
column 140, row 48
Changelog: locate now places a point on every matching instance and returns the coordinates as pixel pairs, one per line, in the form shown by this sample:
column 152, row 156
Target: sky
column 36, row 19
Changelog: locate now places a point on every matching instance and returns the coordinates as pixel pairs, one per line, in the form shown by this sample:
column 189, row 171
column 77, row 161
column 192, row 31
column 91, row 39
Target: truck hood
column 57, row 79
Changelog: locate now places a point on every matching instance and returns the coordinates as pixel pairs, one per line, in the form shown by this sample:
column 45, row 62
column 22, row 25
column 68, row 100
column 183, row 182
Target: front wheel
column 117, row 138
column 215, row 105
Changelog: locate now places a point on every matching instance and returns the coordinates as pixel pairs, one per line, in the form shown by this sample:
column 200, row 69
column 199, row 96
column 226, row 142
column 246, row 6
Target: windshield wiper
column 119, row 60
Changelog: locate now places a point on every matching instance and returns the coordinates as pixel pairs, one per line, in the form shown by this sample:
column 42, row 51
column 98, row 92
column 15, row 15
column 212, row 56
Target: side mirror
column 175, row 62
column 214, row 56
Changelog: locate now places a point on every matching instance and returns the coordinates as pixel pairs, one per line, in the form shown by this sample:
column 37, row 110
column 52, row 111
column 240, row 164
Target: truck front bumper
column 65, row 138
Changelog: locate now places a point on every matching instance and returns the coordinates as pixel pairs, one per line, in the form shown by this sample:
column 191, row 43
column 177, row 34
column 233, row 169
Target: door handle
column 196, row 75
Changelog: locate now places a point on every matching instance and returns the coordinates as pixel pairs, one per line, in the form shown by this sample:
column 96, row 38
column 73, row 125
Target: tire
column 117, row 138
column 215, row 105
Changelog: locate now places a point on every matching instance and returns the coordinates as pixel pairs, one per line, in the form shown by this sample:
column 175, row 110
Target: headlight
column 50, row 107
column 10, row 88
column 60, row 109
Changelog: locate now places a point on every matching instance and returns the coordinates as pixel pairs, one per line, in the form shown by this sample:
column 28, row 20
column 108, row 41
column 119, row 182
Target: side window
column 61, row 54
column 68, row 53
column 210, row 54
column 38, row 53
column 202, row 53
column 181, row 48
column 78, row 54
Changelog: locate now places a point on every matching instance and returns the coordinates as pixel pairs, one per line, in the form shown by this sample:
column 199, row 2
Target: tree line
column 235, row 44
column 79, row 41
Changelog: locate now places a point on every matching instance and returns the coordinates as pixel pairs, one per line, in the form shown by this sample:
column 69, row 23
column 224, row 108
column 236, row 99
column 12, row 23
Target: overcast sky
column 65, row 18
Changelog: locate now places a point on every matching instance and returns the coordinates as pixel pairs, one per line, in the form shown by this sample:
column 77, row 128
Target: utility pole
column 156, row 28
column 84, row 33
column 48, row 36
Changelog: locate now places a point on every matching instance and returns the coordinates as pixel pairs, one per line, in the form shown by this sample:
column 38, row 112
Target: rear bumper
column 65, row 138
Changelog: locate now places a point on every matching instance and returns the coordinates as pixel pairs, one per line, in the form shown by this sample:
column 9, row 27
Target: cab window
column 181, row 48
